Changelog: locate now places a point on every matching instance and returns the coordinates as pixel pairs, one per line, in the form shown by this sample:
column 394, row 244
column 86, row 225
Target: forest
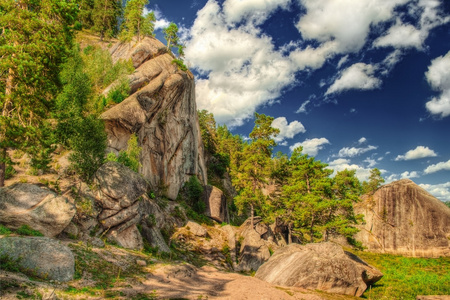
column 51, row 95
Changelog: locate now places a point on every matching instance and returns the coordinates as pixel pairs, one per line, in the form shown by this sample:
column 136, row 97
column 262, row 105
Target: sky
column 358, row 84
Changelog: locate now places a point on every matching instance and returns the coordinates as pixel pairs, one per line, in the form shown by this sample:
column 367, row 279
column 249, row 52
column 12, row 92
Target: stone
column 153, row 236
column 72, row 230
column 35, row 206
column 402, row 218
column 120, row 184
column 162, row 112
column 128, row 238
column 322, row 266
column 44, row 257
column 141, row 262
column 196, row 229
column 230, row 233
column 433, row 297
column 216, row 204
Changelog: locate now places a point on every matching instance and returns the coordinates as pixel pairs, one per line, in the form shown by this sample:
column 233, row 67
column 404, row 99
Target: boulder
column 322, row 266
column 129, row 237
column 162, row 112
column 119, row 186
column 196, row 229
column 41, row 256
column 402, row 218
column 153, row 236
column 216, row 204
column 35, row 206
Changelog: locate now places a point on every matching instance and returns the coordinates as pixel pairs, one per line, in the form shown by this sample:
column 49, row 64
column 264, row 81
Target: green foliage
column 34, row 41
column 447, row 203
column 194, row 192
column 28, row 231
column 130, row 157
column 134, row 23
column 171, row 35
column 180, row 64
column 375, row 181
column 105, row 14
column 120, row 92
column 4, row 230
column 407, row 277
column 89, row 145
column 9, row 264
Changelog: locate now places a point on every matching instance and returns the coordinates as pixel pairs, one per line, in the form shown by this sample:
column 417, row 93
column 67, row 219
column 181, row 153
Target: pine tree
column 375, row 181
column 135, row 24
column 35, row 38
column 254, row 169
column 105, row 15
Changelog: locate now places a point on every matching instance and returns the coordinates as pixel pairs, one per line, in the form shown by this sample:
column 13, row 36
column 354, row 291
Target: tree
column 104, row 16
column 254, row 169
column 375, row 181
column 134, row 23
column 171, row 36
column 35, row 38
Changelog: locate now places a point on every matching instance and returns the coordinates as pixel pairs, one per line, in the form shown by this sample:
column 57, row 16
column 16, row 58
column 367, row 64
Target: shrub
column 194, row 191
column 120, row 92
column 180, row 64
column 27, row 230
column 130, row 157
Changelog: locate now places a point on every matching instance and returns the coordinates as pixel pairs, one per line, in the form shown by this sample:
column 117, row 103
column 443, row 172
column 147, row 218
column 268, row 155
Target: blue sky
column 359, row 84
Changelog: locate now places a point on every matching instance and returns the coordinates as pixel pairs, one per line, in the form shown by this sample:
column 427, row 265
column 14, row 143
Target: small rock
column 141, row 262
column 196, row 229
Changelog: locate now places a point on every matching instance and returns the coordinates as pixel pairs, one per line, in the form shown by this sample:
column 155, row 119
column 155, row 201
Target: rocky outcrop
column 402, row 218
column 162, row 112
column 40, row 256
column 323, row 266
column 256, row 244
column 35, row 206
column 119, row 191
column 216, row 204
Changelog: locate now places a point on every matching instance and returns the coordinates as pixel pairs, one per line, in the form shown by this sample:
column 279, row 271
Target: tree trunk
column 252, row 212
column 290, row 234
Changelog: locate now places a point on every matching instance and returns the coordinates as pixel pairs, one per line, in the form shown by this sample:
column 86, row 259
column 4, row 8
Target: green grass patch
column 407, row 277
column 4, row 230
column 28, row 231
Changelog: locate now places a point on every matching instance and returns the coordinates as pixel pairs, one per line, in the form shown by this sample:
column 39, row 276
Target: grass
column 406, row 277
column 22, row 230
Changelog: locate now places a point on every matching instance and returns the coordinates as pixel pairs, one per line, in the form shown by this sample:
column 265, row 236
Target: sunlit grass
column 407, row 277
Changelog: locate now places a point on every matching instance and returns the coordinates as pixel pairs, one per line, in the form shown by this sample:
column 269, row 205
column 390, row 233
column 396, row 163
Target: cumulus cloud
column 287, row 130
column 370, row 162
column 354, row 151
column 440, row 191
column 358, row 76
column 419, row 152
column 311, row 146
column 401, row 36
column 341, row 164
column 438, row 167
column 438, row 76
column 362, row 140
column 255, row 11
column 240, row 68
column 161, row 22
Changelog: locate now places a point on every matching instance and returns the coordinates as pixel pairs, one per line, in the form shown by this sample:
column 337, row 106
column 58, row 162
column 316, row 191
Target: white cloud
column 358, row 76
column 406, row 174
column 438, row 76
column 440, row 191
column 161, row 22
column 438, row 167
column 342, row 61
column 347, row 22
column 287, row 130
column 302, row 108
column 341, row 164
column 311, row 146
column 353, row 151
column 362, row 140
column 370, row 162
column 419, row 152
column 241, row 69
column 255, row 11
column 401, row 36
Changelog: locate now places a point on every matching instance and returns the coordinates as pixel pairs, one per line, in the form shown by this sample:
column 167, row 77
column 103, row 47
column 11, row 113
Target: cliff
column 402, row 218
column 162, row 112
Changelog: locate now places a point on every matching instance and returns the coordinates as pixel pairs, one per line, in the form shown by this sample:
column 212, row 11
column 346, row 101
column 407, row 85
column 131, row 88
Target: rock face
column 323, row 266
column 402, row 218
column 43, row 257
column 162, row 112
column 216, row 204
column 35, row 206
column 119, row 190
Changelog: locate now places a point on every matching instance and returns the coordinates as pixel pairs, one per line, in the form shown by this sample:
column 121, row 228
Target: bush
column 180, row 64
column 120, row 92
column 130, row 157
column 194, row 192
column 27, row 230
column 89, row 145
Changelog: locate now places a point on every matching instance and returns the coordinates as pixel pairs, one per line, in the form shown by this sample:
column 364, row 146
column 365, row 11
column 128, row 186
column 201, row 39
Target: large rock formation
column 323, row 266
column 35, row 206
column 216, row 204
column 402, row 218
column 40, row 256
column 119, row 190
column 162, row 112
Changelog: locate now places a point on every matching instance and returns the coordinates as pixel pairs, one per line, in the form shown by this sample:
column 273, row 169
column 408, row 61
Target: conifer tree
column 254, row 169
column 35, row 38
column 104, row 16
column 134, row 23
column 375, row 181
